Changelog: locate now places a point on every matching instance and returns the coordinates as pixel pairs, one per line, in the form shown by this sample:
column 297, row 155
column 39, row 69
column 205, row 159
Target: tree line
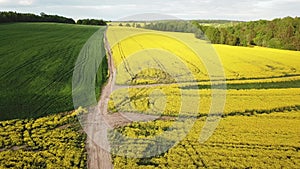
column 173, row 26
column 217, row 21
column 6, row 17
column 91, row 22
column 279, row 33
column 282, row 33
column 135, row 25
column 177, row 26
column 9, row 17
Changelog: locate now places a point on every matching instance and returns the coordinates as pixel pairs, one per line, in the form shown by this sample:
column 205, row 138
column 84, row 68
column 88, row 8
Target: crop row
column 172, row 101
column 48, row 142
column 263, row 141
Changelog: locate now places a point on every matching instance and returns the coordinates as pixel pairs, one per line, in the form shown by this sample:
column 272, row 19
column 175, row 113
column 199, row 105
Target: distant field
column 37, row 62
column 240, row 63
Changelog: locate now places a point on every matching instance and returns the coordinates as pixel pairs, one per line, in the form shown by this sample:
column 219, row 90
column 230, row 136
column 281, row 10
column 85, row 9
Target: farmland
column 39, row 127
column 260, row 141
column 250, row 80
column 152, row 74
column 166, row 102
column 259, row 128
column 240, row 63
column 55, row 141
column 37, row 63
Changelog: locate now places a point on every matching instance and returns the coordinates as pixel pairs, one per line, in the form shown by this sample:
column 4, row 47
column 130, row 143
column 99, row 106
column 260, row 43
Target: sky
column 243, row 10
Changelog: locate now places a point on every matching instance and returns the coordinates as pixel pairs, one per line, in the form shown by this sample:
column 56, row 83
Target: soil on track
column 100, row 121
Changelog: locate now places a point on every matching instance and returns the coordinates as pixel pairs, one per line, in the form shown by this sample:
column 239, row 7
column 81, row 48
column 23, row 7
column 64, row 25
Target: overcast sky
column 183, row 9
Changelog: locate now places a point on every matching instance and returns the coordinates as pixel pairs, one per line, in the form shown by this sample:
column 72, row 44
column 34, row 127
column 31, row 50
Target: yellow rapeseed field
column 130, row 45
column 169, row 100
column 146, row 56
column 259, row 128
column 262, row 141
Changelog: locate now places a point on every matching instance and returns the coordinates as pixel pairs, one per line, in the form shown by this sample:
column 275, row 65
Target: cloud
column 3, row 1
column 15, row 3
column 26, row 2
column 185, row 9
column 107, row 7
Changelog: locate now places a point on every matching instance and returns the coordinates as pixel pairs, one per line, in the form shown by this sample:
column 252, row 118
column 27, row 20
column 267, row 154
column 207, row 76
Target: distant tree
column 279, row 33
column 120, row 24
column 213, row 34
column 138, row 25
column 92, row 22
column 79, row 22
column 175, row 26
column 127, row 25
column 26, row 17
column 42, row 14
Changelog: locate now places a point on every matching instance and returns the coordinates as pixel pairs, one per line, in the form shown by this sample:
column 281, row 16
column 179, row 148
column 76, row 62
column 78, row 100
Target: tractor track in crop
column 100, row 120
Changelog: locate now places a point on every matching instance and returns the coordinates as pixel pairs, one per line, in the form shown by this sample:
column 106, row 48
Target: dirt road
column 99, row 122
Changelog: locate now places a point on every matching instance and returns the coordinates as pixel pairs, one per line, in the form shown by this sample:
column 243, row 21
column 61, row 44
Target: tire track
column 99, row 122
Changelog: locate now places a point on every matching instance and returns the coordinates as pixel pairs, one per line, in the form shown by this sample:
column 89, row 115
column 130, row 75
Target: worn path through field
column 100, row 121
